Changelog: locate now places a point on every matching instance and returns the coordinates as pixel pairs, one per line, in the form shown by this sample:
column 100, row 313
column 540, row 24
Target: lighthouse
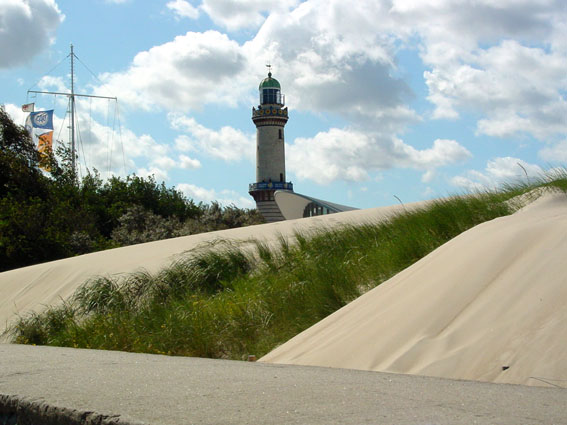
column 270, row 118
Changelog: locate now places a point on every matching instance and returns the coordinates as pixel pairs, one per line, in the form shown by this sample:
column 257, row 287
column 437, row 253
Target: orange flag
column 44, row 146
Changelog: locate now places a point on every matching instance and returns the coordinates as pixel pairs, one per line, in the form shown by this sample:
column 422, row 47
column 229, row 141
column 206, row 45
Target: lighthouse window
column 280, row 133
column 270, row 96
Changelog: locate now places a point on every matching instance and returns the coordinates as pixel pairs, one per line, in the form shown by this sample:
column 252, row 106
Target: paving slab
column 72, row 386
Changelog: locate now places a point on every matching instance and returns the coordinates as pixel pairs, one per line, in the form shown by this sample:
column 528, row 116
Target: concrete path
column 67, row 386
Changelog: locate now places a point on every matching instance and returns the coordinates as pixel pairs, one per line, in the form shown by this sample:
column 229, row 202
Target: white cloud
column 428, row 176
column 502, row 61
column 196, row 192
column 337, row 57
column 516, row 88
column 224, row 197
column 228, row 144
column 351, row 155
column 498, row 171
column 163, row 162
column 159, row 174
column 555, row 154
column 27, row 27
column 183, row 9
column 340, row 57
column 502, row 64
column 15, row 112
column 192, row 70
column 326, row 63
column 51, row 83
column 234, row 15
column 114, row 152
column 189, row 163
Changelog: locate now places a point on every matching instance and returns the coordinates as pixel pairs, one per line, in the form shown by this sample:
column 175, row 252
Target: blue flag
column 42, row 119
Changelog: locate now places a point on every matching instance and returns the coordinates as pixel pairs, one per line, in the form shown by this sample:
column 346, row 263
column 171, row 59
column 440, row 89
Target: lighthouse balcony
column 269, row 111
column 253, row 187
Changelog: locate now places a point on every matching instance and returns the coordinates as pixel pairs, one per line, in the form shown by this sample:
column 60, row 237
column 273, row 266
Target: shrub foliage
column 48, row 216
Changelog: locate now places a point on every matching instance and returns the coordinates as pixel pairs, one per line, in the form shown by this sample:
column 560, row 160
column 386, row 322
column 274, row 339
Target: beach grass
column 229, row 301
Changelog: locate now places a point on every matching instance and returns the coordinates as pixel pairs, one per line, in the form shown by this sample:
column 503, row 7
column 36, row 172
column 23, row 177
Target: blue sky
column 387, row 99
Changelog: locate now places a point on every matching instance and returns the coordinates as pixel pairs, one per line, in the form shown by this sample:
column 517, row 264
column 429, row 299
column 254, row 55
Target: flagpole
column 72, row 100
column 72, row 95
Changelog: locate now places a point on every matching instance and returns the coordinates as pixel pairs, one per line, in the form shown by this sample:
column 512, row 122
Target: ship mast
column 72, row 107
column 72, row 95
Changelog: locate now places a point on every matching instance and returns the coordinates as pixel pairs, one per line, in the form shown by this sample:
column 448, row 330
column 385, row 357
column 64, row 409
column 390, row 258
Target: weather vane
column 269, row 66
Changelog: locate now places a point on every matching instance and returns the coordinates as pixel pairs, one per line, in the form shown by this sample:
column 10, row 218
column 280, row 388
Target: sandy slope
column 493, row 297
column 31, row 288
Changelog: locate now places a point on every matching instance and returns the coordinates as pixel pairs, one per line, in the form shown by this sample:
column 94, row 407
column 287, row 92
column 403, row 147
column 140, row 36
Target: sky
column 389, row 100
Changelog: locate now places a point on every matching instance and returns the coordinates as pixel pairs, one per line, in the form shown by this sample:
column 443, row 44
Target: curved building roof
column 269, row 82
column 294, row 205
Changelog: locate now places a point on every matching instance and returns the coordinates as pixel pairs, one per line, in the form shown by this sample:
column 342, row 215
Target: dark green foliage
column 20, row 176
column 227, row 301
column 48, row 216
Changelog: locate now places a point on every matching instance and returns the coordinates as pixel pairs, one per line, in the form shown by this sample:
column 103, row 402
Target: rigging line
column 120, row 137
column 90, row 119
column 113, row 125
column 79, row 137
column 92, row 73
column 108, row 136
column 50, row 71
column 82, row 145
column 63, row 123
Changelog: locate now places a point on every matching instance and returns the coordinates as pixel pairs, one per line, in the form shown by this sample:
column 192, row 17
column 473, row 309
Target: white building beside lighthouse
column 274, row 196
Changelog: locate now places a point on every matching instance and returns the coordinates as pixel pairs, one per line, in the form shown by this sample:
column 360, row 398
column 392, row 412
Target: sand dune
column 490, row 305
column 32, row 288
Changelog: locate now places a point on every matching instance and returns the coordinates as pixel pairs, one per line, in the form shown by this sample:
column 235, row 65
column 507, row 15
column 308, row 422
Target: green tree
column 51, row 215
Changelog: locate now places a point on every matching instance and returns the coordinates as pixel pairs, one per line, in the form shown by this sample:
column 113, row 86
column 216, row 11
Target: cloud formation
column 224, row 197
column 227, row 144
column 244, row 13
column 498, row 171
column 192, row 70
column 501, row 64
column 183, row 9
column 26, row 28
column 351, row 155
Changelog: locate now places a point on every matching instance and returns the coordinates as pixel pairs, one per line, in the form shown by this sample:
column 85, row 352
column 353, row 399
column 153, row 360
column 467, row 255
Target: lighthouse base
column 270, row 211
column 263, row 194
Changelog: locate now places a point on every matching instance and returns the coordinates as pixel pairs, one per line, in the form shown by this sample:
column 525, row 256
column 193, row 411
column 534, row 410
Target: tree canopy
column 46, row 216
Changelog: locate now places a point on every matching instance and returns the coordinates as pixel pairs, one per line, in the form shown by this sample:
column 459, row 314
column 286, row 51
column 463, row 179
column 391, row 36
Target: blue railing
column 270, row 186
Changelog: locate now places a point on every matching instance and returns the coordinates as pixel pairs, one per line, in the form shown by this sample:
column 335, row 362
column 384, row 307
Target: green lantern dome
column 269, row 83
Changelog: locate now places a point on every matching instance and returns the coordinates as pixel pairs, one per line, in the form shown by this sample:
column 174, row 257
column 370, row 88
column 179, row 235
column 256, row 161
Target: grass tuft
column 226, row 301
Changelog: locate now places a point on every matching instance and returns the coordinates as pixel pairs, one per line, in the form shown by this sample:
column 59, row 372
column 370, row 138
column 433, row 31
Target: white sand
column 32, row 288
column 493, row 297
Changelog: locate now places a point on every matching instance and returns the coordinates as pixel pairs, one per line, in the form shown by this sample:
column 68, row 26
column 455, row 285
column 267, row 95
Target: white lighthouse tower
column 270, row 119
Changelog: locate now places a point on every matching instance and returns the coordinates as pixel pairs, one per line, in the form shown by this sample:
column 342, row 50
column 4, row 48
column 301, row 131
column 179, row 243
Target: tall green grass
column 228, row 301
